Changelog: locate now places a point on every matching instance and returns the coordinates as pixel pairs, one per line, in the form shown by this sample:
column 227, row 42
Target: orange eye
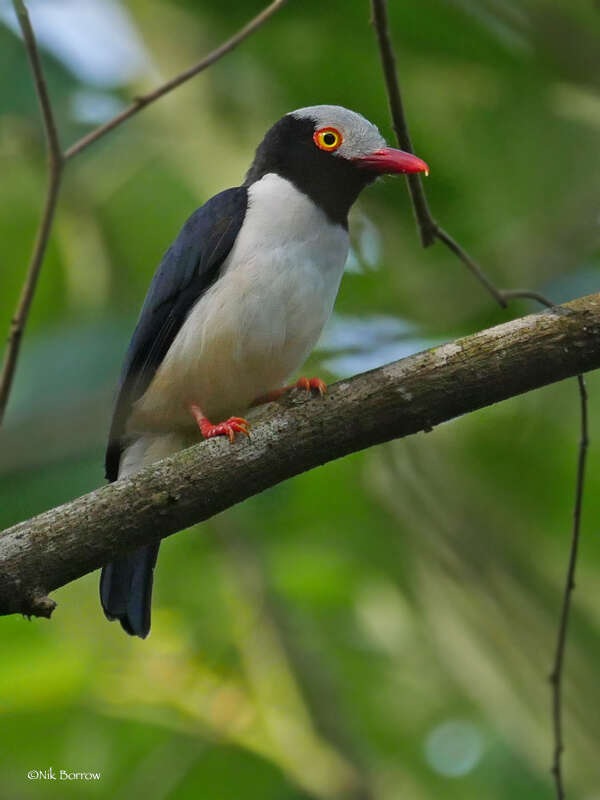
column 328, row 139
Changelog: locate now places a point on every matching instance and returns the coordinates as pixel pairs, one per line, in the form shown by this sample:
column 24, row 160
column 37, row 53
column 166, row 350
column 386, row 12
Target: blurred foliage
column 382, row 627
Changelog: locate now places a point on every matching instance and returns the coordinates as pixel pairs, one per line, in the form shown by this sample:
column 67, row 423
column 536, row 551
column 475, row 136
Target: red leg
column 228, row 428
column 302, row 383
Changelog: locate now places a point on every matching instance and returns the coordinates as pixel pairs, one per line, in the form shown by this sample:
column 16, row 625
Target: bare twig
column 57, row 161
column 427, row 225
column 295, row 435
column 55, row 168
column 144, row 100
column 453, row 245
column 527, row 294
column 19, row 320
column 40, row 81
column 557, row 669
column 431, row 230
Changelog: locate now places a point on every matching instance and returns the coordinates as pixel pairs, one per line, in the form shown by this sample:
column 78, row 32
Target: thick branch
column 397, row 400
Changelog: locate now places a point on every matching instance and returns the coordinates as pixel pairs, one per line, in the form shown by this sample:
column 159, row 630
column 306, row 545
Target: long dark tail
column 126, row 589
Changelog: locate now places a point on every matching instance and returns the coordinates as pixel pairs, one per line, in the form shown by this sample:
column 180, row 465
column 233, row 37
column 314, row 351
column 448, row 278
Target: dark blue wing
column 187, row 270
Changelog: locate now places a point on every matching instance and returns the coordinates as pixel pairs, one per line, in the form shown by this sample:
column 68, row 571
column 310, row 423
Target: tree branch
column 411, row 395
column 499, row 296
column 559, row 657
column 425, row 222
column 55, row 169
column 57, row 161
column 39, row 80
column 429, row 228
column 144, row 100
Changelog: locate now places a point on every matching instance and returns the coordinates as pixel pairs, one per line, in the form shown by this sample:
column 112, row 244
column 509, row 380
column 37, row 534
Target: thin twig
column 430, row 230
column 557, row 670
column 40, row 82
column 426, row 223
column 527, row 294
column 471, row 265
column 55, row 169
column 143, row 100
column 57, row 160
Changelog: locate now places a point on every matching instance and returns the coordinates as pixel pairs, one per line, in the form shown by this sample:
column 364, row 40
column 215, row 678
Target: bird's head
column 330, row 153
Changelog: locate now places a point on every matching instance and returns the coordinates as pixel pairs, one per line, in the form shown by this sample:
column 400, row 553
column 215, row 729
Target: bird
column 235, row 306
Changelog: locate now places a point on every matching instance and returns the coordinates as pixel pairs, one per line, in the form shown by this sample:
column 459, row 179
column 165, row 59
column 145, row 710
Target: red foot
column 228, row 428
column 302, row 383
column 311, row 383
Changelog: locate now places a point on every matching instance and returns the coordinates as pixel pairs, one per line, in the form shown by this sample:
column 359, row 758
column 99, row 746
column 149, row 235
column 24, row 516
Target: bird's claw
column 228, row 428
column 308, row 384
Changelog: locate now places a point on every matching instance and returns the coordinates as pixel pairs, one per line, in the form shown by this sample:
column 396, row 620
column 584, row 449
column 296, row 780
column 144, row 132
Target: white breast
column 254, row 327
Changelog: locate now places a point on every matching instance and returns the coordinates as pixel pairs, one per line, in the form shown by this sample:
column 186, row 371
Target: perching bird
column 237, row 304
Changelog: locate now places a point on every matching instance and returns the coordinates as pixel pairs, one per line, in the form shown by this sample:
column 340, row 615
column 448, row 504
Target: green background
column 382, row 627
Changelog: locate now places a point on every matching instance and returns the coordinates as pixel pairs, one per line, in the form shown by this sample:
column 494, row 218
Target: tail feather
column 126, row 584
column 126, row 590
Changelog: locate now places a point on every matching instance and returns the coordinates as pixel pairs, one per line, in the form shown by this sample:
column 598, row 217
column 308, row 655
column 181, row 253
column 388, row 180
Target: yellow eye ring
column 328, row 139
